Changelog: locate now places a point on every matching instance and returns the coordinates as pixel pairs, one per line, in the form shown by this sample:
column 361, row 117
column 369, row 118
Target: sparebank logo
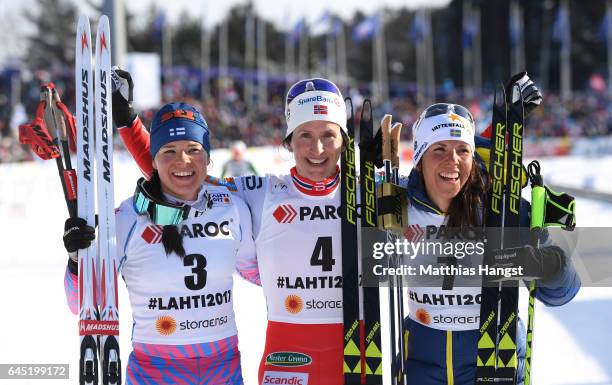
column 284, row 214
column 288, row 359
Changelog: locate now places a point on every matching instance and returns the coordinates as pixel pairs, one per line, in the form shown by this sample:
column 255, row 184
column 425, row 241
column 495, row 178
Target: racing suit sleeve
column 137, row 140
column 246, row 258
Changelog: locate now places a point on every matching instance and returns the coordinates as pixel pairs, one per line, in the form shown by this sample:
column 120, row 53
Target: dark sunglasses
column 445, row 108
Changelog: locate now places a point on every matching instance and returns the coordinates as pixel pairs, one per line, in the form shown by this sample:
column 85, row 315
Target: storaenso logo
column 498, row 168
column 288, row 359
column 85, row 117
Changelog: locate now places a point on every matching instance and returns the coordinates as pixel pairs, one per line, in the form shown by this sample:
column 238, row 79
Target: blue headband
column 178, row 121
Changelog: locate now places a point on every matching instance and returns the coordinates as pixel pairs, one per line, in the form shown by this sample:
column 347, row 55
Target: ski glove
column 537, row 263
column 123, row 89
column 77, row 235
column 532, row 97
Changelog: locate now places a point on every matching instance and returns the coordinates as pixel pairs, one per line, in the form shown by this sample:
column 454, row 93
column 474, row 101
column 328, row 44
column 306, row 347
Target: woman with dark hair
column 299, row 258
column 447, row 188
column 179, row 240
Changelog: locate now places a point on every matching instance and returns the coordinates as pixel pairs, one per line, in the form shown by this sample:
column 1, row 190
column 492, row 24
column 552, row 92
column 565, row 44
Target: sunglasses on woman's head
column 445, row 108
column 316, row 84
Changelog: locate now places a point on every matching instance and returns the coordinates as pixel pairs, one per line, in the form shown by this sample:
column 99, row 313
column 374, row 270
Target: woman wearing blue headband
column 178, row 242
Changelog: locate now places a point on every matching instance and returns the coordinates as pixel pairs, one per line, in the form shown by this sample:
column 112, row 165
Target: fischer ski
column 371, row 296
column 352, row 361
column 497, row 357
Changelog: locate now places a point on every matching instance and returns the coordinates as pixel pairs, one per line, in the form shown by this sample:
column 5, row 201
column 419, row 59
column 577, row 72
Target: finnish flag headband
column 178, row 121
column 314, row 99
column 442, row 121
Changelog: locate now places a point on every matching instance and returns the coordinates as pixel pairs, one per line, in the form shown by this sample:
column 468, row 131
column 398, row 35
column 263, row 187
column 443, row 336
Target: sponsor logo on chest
column 153, row 233
column 220, row 198
column 287, row 213
column 288, row 359
column 285, row 378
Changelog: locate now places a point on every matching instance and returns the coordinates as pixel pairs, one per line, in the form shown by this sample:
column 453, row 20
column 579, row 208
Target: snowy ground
column 572, row 343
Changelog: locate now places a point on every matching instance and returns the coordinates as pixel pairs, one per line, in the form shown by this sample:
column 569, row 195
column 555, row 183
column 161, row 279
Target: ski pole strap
column 548, row 207
column 69, row 119
column 392, row 207
column 36, row 135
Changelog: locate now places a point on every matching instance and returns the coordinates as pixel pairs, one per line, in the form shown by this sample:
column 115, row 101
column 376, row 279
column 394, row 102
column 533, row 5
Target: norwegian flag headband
column 314, row 99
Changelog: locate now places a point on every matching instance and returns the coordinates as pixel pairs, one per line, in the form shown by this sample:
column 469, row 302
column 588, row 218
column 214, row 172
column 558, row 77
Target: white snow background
column 572, row 344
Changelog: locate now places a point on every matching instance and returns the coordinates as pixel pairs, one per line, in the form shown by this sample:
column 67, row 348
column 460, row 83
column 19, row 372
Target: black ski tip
column 500, row 90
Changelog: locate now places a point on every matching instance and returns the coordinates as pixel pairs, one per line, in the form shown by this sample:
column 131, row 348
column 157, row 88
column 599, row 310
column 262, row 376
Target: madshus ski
column 98, row 301
column 497, row 357
column 362, row 340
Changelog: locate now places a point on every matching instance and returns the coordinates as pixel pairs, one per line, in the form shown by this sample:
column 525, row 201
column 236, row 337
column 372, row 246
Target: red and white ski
column 98, row 302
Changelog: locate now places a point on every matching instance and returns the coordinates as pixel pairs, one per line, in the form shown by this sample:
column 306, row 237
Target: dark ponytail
column 465, row 209
column 171, row 237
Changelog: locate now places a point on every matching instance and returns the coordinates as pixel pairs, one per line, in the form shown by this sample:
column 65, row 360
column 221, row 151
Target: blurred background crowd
column 237, row 70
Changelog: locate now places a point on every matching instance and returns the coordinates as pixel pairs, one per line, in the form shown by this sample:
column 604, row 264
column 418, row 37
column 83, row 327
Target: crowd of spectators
column 588, row 114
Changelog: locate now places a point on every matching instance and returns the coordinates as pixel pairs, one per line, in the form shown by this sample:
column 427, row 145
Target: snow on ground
column 571, row 342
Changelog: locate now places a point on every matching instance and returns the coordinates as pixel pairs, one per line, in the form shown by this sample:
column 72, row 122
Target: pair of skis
column 497, row 354
column 393, row 219
column 98, row 301
column 362, row 341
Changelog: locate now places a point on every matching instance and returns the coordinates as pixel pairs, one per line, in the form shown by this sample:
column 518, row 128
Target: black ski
column 371, row 299
column 353, row 363
column 496, row 358
column 487, row 351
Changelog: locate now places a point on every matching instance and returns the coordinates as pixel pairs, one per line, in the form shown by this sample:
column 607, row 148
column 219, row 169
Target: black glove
column 537, row 263
column 532, row 97
column 123, row 89
column 372, row 149
column 77, row 234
